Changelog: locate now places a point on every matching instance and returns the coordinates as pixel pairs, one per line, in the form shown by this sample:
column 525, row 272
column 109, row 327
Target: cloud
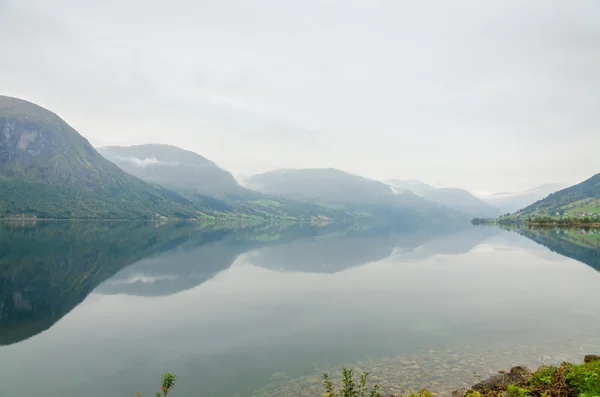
column 491, row 96
column 144, row 279
column 146, row 162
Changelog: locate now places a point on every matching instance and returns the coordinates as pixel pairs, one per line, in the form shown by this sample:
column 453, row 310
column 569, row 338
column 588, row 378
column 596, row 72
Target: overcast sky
column 485, row 95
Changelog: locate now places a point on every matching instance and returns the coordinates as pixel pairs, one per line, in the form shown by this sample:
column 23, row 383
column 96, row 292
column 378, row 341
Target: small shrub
column 585, row 378
column 543, row 377
column 168, row 382
column 350, row 387
column 517, row 391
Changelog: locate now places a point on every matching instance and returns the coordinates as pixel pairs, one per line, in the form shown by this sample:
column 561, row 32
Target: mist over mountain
column 457, row 199
column 510, row 202
column 175, row 168
column 333, row 187
column 320, row 184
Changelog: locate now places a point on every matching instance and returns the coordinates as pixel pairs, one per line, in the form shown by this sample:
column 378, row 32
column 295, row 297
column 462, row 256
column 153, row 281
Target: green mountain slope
column 458, row 199
column 583, row 197
column 47, row 169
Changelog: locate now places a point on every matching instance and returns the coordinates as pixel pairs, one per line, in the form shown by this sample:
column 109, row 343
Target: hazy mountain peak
column 327, row 184
column 175, row 168
column 161, row 153
column 458, row 199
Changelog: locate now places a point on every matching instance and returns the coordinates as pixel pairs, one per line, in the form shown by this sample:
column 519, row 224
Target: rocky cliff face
column 46, row 148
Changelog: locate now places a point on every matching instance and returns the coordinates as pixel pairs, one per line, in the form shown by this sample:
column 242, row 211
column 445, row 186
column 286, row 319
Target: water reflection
column 582, row 244
column 48, row 268
column 233, row 307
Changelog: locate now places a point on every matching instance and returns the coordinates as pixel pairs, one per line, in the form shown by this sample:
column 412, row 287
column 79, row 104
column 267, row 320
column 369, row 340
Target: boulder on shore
column 591, row 357
column 516, row 375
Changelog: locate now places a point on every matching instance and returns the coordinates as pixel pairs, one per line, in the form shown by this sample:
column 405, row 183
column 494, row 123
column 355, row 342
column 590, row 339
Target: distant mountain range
column 515, row 201
column 335, row 188
column 457, row 199
column 48, row 170
column 321, row 184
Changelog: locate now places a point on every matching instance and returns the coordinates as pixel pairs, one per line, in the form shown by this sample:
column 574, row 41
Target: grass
column 586, row 205
column 350, row 387
column 331, row 206
column 266, row 203
column 585, row 378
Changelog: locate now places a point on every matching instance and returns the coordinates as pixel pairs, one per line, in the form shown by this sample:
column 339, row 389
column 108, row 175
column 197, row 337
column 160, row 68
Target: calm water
column 101, row 309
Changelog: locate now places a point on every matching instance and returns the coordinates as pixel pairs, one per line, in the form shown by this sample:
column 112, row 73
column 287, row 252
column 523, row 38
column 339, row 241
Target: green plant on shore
column 585, row 378
column 168, row 380
column 350, row 386
column 543, row 377
column 516, row 391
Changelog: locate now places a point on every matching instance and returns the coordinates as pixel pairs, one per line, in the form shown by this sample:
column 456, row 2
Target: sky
column 486, row 95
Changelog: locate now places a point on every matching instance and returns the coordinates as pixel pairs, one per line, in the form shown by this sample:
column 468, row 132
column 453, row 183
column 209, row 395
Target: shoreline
column 440, row 371
column 543, row 224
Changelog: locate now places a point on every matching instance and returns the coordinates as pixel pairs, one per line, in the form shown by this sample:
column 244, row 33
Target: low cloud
column 144, row 279
column 147, row 161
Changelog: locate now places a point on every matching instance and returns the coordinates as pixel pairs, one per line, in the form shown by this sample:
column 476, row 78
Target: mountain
column 338, row 189
column 583, row 197
column 515, row 201
column 320, row 184
column 206, row 184
column 175, row 168
column 458, row 199
column 47, row 169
